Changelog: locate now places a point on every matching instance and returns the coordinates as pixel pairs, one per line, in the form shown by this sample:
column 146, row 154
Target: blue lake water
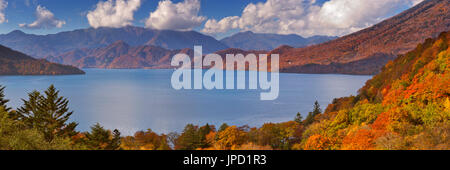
column 132, row 100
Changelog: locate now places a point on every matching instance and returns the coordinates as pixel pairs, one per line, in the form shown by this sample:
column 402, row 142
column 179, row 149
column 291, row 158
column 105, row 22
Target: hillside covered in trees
column 378, row 43
column 405, row 107
column 16, row 63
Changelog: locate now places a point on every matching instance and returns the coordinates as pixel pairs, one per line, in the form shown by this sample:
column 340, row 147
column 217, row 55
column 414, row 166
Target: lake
column 132, row 100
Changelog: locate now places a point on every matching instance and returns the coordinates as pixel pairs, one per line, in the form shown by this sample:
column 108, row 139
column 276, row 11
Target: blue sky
column 74, row 12
column 222, row 17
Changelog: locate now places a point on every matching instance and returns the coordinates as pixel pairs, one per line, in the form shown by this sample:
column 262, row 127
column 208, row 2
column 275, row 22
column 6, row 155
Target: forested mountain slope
column 381, row 42
column 16, row 63
column 406, row 106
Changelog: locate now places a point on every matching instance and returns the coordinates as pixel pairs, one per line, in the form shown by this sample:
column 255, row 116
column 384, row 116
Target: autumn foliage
column 396, row 109
column 405, row 107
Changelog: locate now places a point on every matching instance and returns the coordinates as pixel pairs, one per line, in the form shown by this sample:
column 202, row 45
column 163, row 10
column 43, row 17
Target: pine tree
column 99, row 138
column 15, row 136
column 3, row 101
column 29, row 112
column 299, row 118
column 102, row 139
column 312, row 115
column 49, row 114
column 223, row 127
column 115, row 141
column 317, row 109
column 189, row 139
column 203, row 131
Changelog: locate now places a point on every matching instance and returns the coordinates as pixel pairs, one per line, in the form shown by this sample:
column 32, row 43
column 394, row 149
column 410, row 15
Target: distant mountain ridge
column 120, row 55
column 362, row 52
column 16, row 63
column 259, row 41
column 54, row 44
column 394, row 36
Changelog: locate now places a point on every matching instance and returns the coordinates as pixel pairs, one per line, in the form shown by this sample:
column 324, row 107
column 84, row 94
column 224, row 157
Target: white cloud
column 307, row 18
column 113, row 13
column 44, row 19
column 3, row 5
column 227, row 23
column 175, row 16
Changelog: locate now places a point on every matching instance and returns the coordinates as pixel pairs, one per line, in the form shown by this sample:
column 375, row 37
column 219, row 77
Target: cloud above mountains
column 168, row 15
column 302, row 17
column 44, row 19
column 113, row 13
column 176, row 16
column 3, row 5
column 307, row 17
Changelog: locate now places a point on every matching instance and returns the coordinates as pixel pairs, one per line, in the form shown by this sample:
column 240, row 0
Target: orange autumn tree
column 319, row 142
column 145, row 140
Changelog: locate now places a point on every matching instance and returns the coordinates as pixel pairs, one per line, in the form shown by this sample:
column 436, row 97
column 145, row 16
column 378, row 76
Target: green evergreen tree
column 312, row 115
column 203, row 131
column 3, row 101
column 29, row 113
column 48, row 113
column 299, row 118
column 14, row 135
column 223, row 127
column 115, row 141
column 317, row 109
column 189, row 138
column 102, row 139
column 206, row 129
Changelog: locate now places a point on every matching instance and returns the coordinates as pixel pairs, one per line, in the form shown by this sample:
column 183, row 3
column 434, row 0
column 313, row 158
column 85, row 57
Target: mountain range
column 120, row 55
column 16, row 63
column 258, row 41
column 380, row 43
column 362, row 52
column 41, row 46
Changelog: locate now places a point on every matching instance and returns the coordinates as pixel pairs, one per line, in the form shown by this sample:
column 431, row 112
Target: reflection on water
column 132, row 100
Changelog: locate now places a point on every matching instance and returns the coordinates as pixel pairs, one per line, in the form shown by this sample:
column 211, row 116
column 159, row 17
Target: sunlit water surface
column 132, row 100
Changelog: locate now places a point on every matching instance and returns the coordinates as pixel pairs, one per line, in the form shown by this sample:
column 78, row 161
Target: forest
column 405, row 107
column 16, row 63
